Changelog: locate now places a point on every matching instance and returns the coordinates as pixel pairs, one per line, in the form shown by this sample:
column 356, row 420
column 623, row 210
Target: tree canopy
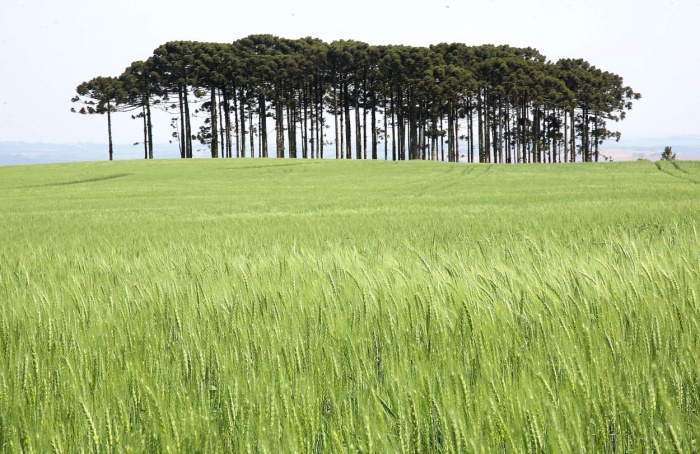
column 450, row 102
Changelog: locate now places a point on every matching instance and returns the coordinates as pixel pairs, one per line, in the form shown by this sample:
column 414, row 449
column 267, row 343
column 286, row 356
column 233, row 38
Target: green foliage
column 374, row 307
column 668, row 155
column 521, row 100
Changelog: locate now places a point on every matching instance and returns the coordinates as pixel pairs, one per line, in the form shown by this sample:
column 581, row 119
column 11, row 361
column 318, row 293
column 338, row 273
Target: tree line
column 497, row 104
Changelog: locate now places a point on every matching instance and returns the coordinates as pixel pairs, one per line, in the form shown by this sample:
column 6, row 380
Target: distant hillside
column 685, row 147
column 16, row 153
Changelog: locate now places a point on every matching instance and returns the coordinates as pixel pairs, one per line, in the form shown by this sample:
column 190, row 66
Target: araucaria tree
column 668, row 154
column 448, row 102
column 101, row 95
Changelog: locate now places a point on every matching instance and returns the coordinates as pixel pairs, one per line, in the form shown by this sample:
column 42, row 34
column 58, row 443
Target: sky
column 48, row 47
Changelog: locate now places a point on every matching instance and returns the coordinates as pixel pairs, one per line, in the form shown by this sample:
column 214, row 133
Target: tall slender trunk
column 237, row 122
column 456, row 135
column 374, row 127
column 400, row 125
column 183, row 145
column 470, row 128
column 523, row 130
column 434, row 150
column 441, row 156
column 150, row 129
column 566, row 138
column 145, row 131
column 486, row 109
column 188, row 125
column 279, row 121
column 213, row 112
column 222, row 119
column 595, row 136
column 412, row 128
column 358, row 129
column 508, row 131
column 584, row 137
column 364, row 125
column 227, row 119
column 335, row 119
column 573, row 135
column 241, row 120
column 342, row 125
column 536, row 136
column 348, row 132
column 312, row 125
column 263, row 124
column 393, row 129
column 320, row 136
column 303, row 121
column 480, row 122
column 250, row 131
column 109, row 131
column 450, row 134
column 386, row 130
column 499, row 134
column 291, row 124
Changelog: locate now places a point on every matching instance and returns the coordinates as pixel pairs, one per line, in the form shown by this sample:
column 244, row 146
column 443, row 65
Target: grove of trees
column 352, row 100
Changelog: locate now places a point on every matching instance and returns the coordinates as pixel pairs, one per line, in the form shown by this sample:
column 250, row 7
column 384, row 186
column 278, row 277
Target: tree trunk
column 222, row 137
column 348, row 132
column 342, row 125
column 480, row 126
column 508, row 133
column 183, row 147
column 263, row 124
column 312, row 124
column 227, row 119
column 303, row 124
column 335, row 119
column 237, row 122
column 386, row 131
column 150, row 129
column 358, row 129
column 536, row 136
column 241, row 107
column 573, row 136
column 250, row 131
column 213, row 111
column 320, row 136
column 393, row 129
column 470, row 128
column 374, row 128
column 566, row 138
column 279, row 121
column 486, row 109
column 145, row 131
column 188, row 125
column 291, row 126
column 412, row 128
column 584, row 137
column 109, row 131
column 595, row 136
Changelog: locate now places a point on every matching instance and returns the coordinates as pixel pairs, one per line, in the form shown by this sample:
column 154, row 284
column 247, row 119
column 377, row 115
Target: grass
column 308, row 306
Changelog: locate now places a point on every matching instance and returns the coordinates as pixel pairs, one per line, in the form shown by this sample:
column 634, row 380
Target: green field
column 344, row 306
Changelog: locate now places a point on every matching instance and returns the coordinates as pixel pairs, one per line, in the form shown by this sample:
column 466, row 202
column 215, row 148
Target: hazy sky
column 48, row 47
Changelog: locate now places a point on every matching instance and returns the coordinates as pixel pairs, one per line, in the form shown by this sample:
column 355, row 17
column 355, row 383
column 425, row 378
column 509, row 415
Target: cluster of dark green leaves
column 668, row 154
column 511, row 103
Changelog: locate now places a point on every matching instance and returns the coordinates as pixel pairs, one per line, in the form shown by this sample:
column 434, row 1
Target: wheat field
column 341, row 306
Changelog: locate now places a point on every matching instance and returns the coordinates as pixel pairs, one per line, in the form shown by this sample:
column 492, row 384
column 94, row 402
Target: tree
column 668, row 155
column 174, row 62
column 141, row 86
column 101, row 95
column 514, row 105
